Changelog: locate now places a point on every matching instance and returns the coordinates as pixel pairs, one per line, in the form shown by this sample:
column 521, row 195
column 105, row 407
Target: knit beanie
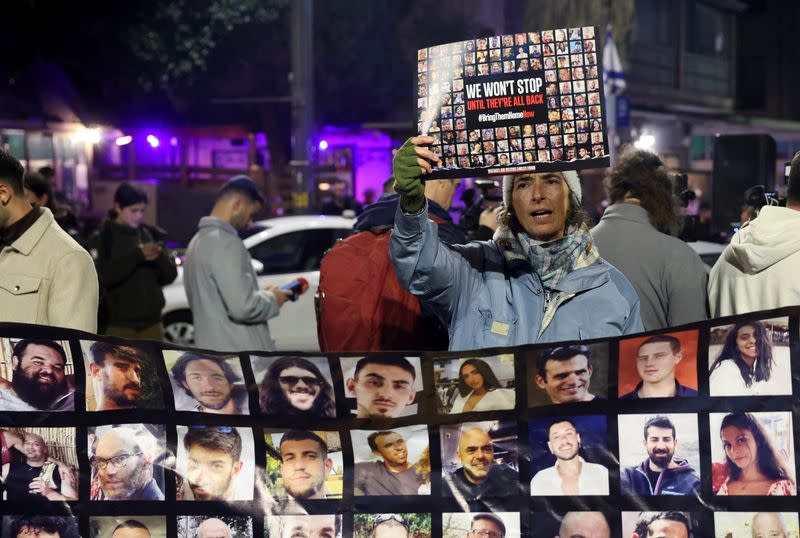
column 573, row 182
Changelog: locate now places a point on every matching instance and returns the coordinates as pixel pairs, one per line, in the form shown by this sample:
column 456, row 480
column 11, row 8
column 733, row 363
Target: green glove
column 407, row 182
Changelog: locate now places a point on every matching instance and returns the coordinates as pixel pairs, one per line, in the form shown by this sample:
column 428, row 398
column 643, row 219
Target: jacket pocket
column 20, row 295
column 497, row 332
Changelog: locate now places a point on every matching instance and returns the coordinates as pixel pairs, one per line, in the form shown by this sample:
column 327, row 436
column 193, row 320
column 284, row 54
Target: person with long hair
column 479, row 389
column 295, row 386
column 423, row 468
column 754, row 467
column 745, row 365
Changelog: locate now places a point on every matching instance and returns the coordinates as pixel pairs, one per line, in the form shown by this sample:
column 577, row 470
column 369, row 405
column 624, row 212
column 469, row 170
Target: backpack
column 362, row 307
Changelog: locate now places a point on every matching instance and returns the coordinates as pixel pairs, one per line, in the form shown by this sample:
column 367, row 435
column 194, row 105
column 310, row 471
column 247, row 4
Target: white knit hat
column 571, row 176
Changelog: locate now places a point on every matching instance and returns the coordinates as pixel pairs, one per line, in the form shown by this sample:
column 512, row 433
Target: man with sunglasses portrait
column 296, row 386
column 564, row 373
column 124, row 468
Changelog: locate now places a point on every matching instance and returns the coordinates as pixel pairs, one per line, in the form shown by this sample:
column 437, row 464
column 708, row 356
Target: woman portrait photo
column 750, row 358
column 295, row 386
column 477, row 385
column 758, row 454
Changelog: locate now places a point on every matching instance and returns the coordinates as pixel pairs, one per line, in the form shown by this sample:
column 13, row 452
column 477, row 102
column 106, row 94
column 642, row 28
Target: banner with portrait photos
column 514, row 103
column 687, row 432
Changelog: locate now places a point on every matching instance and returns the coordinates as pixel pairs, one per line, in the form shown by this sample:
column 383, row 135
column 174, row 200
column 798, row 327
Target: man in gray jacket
column 230, row 312
column 635, row 235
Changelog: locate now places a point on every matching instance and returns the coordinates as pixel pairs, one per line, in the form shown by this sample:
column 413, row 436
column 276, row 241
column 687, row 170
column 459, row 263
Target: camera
column 475, row 202
column 680, row 185
column 758, row 196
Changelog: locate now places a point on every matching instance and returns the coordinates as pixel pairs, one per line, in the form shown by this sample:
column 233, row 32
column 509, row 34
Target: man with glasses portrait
column 123, row 468
column 486, row 526
column 389, row 526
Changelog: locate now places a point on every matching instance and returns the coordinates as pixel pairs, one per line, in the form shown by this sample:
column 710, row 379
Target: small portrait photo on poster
column 666, row 462
column 474, row 384
column 481, row 525
column 480, row 460
column 392, row 462
column 208, row 526
column 128, row 526
column 750, row 358
column 40, row 526
column 569, row 455
column 392, row 526
column 127, row 462
column 668, row 524
column 382, row 385
column 294, row 386
column 121, row 376
column 43, row 466
column 660, row 366
column 215, row 463
column 304, row 464
column 207, row 383
column 756, row 525
column 567, row 374
column 574, row 525
column 36, row 375
column 752, row 453
column 303, row 526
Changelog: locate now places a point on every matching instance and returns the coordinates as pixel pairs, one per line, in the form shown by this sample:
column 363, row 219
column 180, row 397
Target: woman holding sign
column 540, row 279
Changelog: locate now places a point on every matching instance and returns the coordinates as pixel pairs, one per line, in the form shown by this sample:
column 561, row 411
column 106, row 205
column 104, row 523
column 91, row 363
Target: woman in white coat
column 479, row 389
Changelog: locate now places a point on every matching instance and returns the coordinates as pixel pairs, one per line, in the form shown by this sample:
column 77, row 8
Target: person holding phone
column 132, row 266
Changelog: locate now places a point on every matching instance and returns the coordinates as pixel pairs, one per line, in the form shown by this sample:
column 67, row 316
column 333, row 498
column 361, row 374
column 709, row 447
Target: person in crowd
column 423, row 467
column 381, row 214
column 757, row 270
column 636, row 234
column 305, row 464
column 340, row 201
column 565, row 373
column 769, row 525
column 41, row 527
column 662, row 525
column 486, row 526
column 117, row 372
column 40, row 192
column 212, row 383
column 131, row 528
column 754, row 467
column 662, row 473
column 230, row 312
column 479, row 476
column 213, row 528
column 540, row 279
column 479, row 389
column 584, row 525
column 655, row 362
column 744, row 366
column 39, row 380
column 320, row 526
column 295, row 386
column 214, row 455
column 571, row 474
column 124, row 467
column 393, row 474
column 36, row 476
column 49, row 279
column 133, row 266
column 383, row 386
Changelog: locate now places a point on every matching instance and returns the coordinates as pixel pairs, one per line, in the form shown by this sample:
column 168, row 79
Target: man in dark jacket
column 662, row 473
column 480, row 476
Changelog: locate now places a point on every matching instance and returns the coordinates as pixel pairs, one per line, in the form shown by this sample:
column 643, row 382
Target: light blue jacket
column 487, row 301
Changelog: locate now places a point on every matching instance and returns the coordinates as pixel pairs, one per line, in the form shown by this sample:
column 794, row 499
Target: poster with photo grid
column 666, row 433
column 526, row 102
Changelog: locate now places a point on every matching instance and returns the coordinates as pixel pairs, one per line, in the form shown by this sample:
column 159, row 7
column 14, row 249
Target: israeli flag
column 613, row 78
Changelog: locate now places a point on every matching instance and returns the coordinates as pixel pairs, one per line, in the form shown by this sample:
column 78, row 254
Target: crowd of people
column 541, row 274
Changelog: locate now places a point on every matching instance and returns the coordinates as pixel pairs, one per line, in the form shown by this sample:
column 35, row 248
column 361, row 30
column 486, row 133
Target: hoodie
column 757, row 271
column 679, row 480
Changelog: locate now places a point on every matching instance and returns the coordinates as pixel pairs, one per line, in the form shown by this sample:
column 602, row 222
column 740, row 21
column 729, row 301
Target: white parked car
column 283, row 249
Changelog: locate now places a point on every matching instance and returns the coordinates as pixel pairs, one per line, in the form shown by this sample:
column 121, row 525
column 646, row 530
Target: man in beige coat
column 46, row 278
